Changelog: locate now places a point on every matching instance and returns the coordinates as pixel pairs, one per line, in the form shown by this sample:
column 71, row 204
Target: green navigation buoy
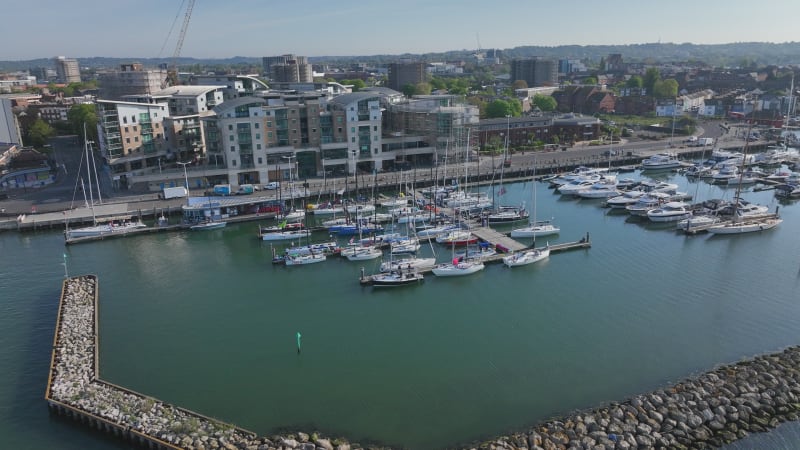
column 298, row 342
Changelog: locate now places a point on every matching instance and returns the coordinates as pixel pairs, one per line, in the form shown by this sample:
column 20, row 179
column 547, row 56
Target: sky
column 255, row 28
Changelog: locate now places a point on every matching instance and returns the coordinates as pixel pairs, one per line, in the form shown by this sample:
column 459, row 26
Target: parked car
column 272, row 185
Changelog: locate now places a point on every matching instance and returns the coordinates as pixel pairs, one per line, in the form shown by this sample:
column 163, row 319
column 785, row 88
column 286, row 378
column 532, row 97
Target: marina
column 528, row 311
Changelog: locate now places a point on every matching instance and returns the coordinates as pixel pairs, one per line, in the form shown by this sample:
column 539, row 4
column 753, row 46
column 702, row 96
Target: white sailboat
column 526, row 257
column 97, row 229
column 535, row 229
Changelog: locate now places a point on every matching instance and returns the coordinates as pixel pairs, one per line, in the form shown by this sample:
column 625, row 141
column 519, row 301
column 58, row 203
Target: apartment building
column 131, row 79
column 288, row 68
column 67, row 70
column 536, row 71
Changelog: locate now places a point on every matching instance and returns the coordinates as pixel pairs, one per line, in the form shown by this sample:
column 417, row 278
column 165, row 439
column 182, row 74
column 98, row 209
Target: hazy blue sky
column 219, row 29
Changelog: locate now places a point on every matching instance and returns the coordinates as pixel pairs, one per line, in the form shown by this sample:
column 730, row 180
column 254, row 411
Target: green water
column 202, row 319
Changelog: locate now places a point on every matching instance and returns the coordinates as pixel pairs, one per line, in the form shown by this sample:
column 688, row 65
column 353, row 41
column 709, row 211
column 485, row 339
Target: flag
column 502, row 190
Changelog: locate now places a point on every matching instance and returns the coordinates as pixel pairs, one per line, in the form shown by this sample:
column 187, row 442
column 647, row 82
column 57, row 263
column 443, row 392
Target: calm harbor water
column 205, row 321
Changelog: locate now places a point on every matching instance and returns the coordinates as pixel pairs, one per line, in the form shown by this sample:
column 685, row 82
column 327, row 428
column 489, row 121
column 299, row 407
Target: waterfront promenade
column 22, row 214
column 705, row 411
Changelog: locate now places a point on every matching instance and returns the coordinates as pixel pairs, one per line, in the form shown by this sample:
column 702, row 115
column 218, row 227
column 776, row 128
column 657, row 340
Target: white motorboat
column 645, row 203
column 725, row 173
column 458, row 268
column 526, row 257
column 602, row 189
column 669, row 212
column 627, row 198
column 661, row 161
column 574, row 186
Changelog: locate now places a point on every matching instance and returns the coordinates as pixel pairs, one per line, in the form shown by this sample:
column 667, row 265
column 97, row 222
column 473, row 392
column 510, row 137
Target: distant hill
column 734, row 54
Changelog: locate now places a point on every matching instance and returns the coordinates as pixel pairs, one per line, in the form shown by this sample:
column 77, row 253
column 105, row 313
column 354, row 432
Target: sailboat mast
column 88, row 167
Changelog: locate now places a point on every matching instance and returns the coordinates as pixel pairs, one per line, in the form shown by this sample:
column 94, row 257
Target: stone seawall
column 706, row 411
column 74, row 389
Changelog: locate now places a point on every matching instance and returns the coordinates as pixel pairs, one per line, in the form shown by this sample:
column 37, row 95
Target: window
column 135, row 128
column 258, row 147
column 340, row 129
column 352, row 139
column 126, row 129
column 269, row 135
column 230, row 138
column 133, row 119
column 233, row 148
column 258, row 135
column 125, row 120
column 269, row 124
column 230, row 127
column 259, row 158
column 256, row 125
column 313, row 130
column 136, row 139
column 233, row 162
column 128, row 140
column 352, row 129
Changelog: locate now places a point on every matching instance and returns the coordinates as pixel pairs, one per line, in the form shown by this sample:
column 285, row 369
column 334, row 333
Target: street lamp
column 185, row 176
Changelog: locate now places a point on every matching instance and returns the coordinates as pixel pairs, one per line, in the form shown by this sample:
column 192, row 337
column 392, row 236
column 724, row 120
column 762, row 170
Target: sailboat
column 750, row 223
column 526, row 257
column 97, row 229
column 535, row 229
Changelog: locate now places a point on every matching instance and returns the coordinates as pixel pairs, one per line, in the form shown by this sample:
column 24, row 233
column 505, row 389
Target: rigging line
column 171, row 28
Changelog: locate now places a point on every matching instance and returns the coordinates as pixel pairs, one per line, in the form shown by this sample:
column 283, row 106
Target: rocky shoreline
column 706, row 411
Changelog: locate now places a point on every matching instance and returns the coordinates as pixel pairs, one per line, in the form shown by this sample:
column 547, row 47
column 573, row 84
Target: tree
column 635, row 82
column 409, row 90
column 39, row 133
column 590, row 80
column 498, row 108
column 650, row 77
column 545, row 102
column 358, row 84
column 665, row 88
column 82, row 114
column 423, row 88
column 519, row 84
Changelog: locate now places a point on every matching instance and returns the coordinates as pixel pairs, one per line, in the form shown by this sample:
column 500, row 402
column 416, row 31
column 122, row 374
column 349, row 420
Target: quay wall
column 704, row 411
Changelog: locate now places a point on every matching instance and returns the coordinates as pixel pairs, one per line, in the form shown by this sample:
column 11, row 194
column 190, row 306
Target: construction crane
column 172, row 71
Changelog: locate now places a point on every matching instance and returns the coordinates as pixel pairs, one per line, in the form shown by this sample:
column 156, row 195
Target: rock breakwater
column 706, row 411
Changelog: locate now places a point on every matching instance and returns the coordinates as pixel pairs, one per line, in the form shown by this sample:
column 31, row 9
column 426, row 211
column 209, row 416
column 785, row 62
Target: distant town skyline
column 254, row 28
